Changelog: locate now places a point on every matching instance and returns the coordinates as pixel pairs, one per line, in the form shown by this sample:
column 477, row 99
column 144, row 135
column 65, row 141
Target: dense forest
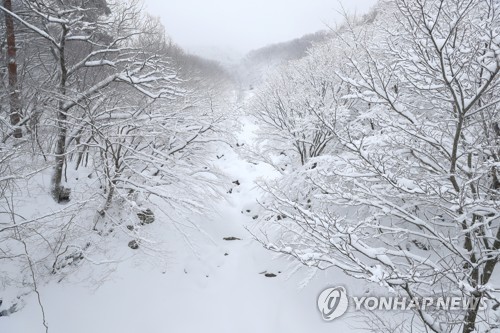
column 367, row 154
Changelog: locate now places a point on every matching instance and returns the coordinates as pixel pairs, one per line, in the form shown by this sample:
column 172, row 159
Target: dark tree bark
column 14, row 101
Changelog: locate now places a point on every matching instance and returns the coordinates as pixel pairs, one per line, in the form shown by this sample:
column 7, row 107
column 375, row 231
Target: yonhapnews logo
column 334, row 302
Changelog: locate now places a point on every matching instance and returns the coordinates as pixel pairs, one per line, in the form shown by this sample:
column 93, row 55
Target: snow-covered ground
column 206, row 284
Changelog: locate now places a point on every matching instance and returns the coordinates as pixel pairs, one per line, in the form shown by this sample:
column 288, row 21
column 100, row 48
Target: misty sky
column 241, row 25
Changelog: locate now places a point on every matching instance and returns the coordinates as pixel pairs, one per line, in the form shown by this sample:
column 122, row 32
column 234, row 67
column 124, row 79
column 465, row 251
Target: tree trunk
column 58, row 191
column 14, row 102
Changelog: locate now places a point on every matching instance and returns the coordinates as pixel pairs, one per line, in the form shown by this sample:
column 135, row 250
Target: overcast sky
column 241, row 25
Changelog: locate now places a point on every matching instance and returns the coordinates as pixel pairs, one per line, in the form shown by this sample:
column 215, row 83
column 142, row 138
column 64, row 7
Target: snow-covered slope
column 202, row 283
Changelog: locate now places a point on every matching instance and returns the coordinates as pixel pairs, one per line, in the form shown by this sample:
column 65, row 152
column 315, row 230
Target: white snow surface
column 198, row 288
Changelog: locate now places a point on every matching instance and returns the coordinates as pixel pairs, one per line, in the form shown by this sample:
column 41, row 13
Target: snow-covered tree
column 92, row 47
column 411, row 200
column 106, row 113
column 299, row 109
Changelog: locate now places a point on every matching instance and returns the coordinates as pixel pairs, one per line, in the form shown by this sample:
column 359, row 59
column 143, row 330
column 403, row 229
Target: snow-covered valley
column 203, row 282
column 346, row 180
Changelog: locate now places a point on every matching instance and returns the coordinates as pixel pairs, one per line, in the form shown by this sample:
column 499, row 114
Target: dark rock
column 226, row 254
column 133, row 245
column 9, row 311
column 270, row 275
column 130, row 227
column 231, row 238
column 255, row 217
column 237, row 183
column 146, row 216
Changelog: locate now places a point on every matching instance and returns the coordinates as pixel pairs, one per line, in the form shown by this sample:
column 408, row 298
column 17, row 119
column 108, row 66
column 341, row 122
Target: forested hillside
column 144, row 188
column 256, row 65
column 386, row 137
column 100, row 113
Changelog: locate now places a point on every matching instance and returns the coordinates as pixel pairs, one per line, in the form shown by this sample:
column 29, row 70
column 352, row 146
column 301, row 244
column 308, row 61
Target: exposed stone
column 231, row 238
column 146, row 216
column 9, row 311
column 133, row 245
